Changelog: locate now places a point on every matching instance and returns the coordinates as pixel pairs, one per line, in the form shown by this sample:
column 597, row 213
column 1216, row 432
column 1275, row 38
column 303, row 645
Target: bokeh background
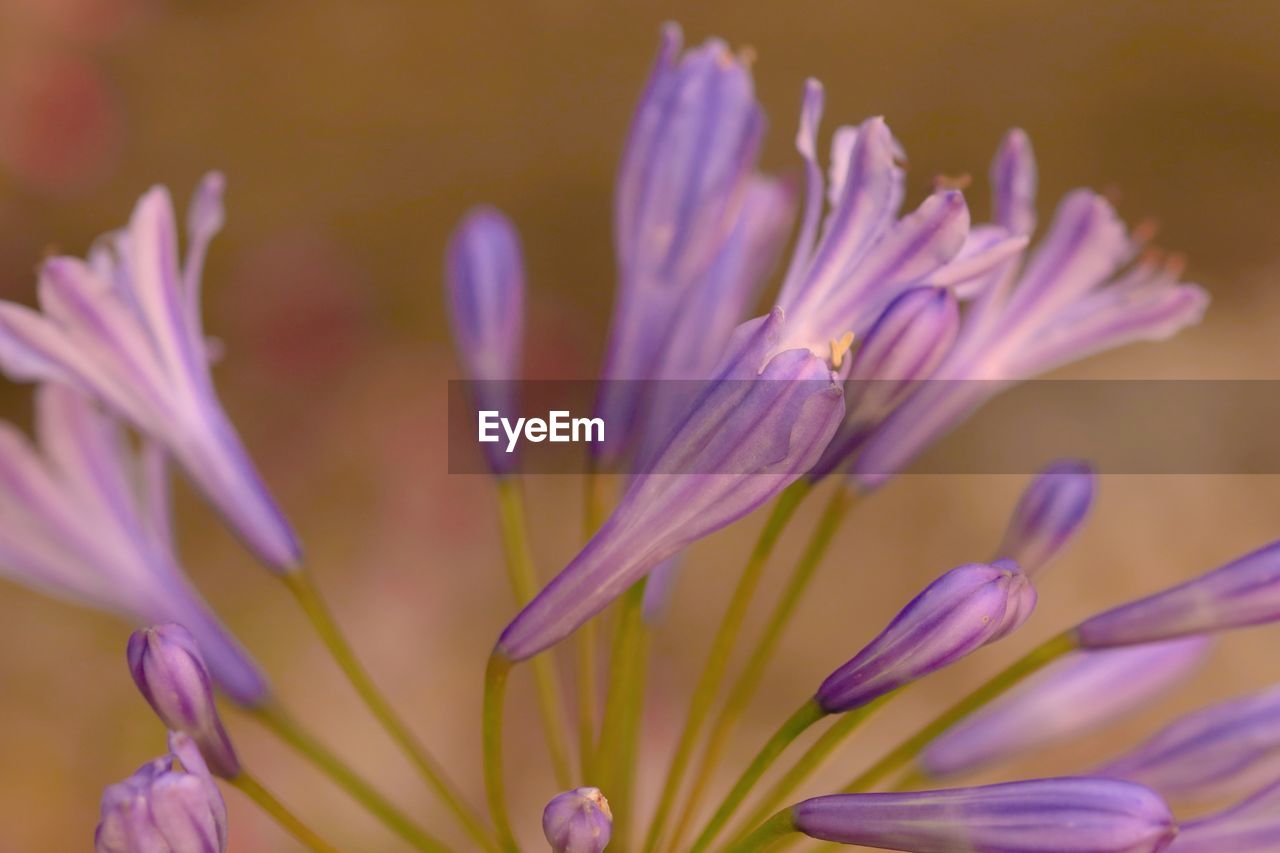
column 354, row 134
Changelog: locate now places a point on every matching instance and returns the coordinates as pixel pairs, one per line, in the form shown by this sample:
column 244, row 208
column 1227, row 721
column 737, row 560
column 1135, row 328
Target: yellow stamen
column 839, row 348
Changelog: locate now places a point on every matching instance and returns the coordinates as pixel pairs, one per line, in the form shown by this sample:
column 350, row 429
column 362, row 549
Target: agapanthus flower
column 960, row 612
column 86, row 518
column 485, row 286
column 1224, row 748
column 171, row 675
column 1071, row 696
column 1049, row 514
column 578, row 821
column 1079, row 293
column 124, row 327
column 1252, row 824
column 1244, row 592
column 170, row 805
column 1066, row 815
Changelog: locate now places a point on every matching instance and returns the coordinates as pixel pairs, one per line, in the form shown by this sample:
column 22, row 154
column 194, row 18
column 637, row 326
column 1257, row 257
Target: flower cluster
column 891, row 324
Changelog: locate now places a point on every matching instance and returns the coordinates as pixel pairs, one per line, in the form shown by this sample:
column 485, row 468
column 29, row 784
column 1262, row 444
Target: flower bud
column 1243, row 592
column 167, row 667
column 1253, row 824
column 578, row 821
column 1070, row 696
column 1049, row 514
column 169, row 804
column 1081, row 815
column 1225, row 748
column 958, row 613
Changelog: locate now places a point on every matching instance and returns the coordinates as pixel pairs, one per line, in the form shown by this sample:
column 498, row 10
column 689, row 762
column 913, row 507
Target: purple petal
column 1049, row 514
column 1253, row 824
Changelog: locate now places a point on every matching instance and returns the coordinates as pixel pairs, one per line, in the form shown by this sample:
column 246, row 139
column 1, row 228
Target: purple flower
column 1067, row 815
column 1049, row 514
column 1071, row 696
column 166, row 665
column 485, row 277
column 77, row 522
column 685, row 173
column 958, row 613
column 754, row 430
column 1221, row 749
column 1243, row 592
column 903, row 347
column 170, row 805
column 1253, row 824
column 578, row 821
column 124, row 327
column 1077, row 295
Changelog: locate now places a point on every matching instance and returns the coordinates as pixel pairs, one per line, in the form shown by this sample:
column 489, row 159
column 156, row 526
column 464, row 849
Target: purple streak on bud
column 1253, row 824
column 1049, row 514
column 578, row 821
column 685, row 173
column 77, row 522
column 1078, row 294
column 167, row 667
column 1218, row 750
column 753, row 431
column 903, row 347
column 1074, row 695
column 1066, row 815
column 958, row 613
column 124, row 328
column 169, row 804
column 1241, row 593
column 484, row 272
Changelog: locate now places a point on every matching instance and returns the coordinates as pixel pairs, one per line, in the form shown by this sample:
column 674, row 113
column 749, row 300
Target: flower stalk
column 624, row 702
column 495, row 692
column 253, row 789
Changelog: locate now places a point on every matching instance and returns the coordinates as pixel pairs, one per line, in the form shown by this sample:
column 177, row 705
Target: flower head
column 1244, row 592
column 1224, row 748
column 1079, row 293
column 1067, row 815
column 578, row 821
column 124, row 327
column 1252, row 824
column 1049, row 514
column 166, row 665
column 955, row 615
column 1071, row 696
column 485, row 277
column 84, row 517
column 170, row 805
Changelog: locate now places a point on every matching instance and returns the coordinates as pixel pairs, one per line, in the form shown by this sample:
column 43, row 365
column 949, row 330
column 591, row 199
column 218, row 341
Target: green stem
column 287, row 819
column 744, row 689
column 524, row 583
column 278, row 721
column 812, row 759
column 1043, row 654
column 495, row 691
column 774, row 829
column 810, row 712
column 622, row 709
column 308, row 597
column 721, row 648
column 585, row 640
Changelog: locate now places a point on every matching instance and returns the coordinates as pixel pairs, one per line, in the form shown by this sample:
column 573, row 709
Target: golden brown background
column 355, row 133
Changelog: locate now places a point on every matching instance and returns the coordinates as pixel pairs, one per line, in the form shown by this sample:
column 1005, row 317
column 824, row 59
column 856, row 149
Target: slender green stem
column 585, row 640
column 622, row 709
column 275, row 718
column 1043, row 654
column 269, row 804
column 772, row 830
column 722, row 644
column 524, row 583
column 308, row 597
column 845, row 725
column 808, row 714
column 744, row 689
column 495, row 691
column 914, row 779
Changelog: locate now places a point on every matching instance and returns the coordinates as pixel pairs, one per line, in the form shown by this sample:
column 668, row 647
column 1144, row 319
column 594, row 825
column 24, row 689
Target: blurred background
column 353, row 136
